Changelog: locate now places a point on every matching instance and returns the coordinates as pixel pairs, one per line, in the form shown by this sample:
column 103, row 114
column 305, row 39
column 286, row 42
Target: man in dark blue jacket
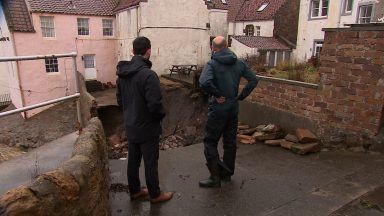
column 139, row 94
column 220, row 79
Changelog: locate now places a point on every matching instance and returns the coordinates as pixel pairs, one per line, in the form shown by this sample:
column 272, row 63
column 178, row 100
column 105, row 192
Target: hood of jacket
column 127, row 69
column 225, row 56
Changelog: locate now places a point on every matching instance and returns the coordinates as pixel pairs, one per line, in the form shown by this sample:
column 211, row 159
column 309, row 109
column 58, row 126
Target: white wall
column 218, row 21
column 177, row 30
column 266, row 27
column 9, row 80
column 126, row 32
column 241, row 50
column 311, row 30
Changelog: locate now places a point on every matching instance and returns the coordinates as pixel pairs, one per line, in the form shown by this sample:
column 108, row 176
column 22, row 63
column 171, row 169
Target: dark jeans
column 149, row 151
column 222, row 121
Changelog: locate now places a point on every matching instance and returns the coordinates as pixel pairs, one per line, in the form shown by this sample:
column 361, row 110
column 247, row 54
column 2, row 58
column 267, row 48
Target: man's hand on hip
column 220, row 100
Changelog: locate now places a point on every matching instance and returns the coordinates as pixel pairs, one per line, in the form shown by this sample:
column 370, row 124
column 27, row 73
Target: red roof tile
column 81, row 7
column 18, row 18
column 261, row 43
column 246, row 10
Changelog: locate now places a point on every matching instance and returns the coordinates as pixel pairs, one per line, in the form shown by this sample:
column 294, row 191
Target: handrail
column 73, row 55
column 35, row 57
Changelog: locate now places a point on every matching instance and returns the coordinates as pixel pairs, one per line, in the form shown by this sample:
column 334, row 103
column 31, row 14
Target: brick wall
column 347, row 105
column 287, row 21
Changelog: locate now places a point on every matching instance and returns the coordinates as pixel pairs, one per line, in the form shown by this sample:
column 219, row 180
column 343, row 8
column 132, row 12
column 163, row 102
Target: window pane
column 250, row 30
column 107, row 27
column 83, row 26
column 89, row 61
column 51, row 65
column 349, row 4
column 47, row 26
column 324, row 11
column 365, row 13
column 315, row 8
column 318, row 47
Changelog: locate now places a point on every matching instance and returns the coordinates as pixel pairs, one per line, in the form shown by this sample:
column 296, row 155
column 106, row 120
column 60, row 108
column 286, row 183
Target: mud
column 44, row 127
column 183, row 125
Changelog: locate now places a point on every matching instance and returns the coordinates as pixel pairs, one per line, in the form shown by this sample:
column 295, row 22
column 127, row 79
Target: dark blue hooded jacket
column 221, row 76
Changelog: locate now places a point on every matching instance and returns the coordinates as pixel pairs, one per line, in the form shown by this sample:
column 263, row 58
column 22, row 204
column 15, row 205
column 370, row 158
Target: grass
column 303, row 72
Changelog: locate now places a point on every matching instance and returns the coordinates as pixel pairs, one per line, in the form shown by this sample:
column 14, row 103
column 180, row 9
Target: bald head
column 219, row 43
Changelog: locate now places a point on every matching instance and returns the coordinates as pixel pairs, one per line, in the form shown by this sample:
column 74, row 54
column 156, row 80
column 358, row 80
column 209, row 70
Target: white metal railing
column 70, row 97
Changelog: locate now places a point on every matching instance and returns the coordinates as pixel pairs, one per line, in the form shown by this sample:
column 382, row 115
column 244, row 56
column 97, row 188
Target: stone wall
column 78, row 187
column 88, row 105
column 347, row 106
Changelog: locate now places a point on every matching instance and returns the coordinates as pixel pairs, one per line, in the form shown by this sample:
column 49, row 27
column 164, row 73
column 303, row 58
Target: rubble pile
column 302, row 142
column 171, row 142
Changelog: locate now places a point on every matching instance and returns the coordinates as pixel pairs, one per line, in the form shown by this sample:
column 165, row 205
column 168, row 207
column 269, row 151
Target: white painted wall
column 177, row 30
column 218, row 21
column 9, row 80
column 266, row 27
column 126, row 32
column 311, row 30
column 242, row 50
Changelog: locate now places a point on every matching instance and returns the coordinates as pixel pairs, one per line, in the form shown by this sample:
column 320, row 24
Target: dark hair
column 141, row 45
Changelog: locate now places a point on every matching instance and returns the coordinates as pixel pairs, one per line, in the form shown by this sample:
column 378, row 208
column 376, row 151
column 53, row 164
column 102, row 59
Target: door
column 90, row 67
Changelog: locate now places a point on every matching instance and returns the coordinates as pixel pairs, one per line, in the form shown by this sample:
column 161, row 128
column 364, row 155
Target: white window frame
column 47, row 26
column 224, row 1
column 82, row 24
column 51, row 65
column 346, row 4
column 320, row 8
column 263, row 6
column 89, row 58
column 257, row 30
column 359, row 18
column 317, row 44
column 106, row 28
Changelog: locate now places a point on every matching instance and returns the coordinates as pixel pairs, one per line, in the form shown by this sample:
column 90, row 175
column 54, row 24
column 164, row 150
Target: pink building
column 41, row 27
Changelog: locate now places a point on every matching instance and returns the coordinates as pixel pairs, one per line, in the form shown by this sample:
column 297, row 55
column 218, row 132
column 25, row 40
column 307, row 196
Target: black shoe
column 210, row 183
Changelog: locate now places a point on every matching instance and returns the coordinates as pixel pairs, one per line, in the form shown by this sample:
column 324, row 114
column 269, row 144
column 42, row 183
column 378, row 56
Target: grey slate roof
column 262, row 43
column 17, row 16
column 78, row 7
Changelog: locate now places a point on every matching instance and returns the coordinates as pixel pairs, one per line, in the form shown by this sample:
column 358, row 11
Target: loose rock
column 306, row 148
column 305, row 136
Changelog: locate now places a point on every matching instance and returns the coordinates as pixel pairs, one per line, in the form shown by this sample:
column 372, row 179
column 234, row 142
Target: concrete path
column 268, row 181
column 21, row 170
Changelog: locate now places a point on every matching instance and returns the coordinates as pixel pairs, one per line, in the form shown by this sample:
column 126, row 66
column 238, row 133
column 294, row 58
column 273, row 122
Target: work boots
column 214, row 180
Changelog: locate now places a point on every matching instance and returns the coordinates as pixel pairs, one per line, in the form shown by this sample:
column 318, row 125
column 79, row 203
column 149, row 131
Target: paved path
column 268, row 181
column 20, row 170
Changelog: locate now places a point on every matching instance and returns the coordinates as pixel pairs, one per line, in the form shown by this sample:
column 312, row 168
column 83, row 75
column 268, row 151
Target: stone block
column 286, row 144
column 270, row 136
column 291, row 138
column 305, row 135
column 243, row 127
column 306, row 148
column 273, row 142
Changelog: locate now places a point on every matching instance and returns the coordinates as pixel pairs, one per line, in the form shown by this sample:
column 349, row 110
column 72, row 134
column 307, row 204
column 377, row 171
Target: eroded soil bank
column 183, row 125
